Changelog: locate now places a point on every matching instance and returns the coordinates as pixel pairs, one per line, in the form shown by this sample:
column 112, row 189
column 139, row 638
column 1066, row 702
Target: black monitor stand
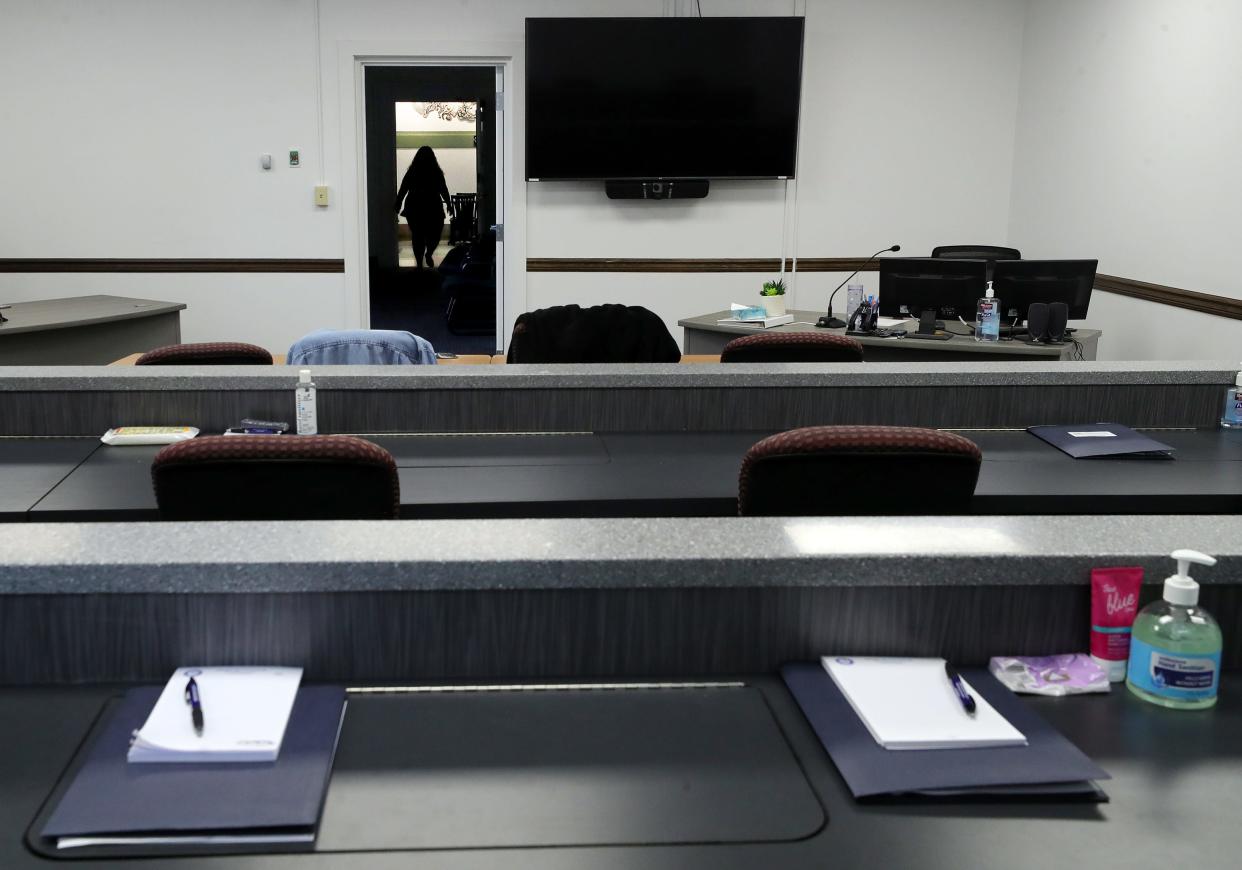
column 927, row 328
column 3, row 319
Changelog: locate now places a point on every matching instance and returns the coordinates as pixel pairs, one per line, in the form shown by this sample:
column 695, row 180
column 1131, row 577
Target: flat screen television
column 662, row 98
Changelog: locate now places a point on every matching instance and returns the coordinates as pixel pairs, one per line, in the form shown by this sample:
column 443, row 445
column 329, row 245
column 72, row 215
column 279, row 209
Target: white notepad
column 909, row 703
column 245, row 711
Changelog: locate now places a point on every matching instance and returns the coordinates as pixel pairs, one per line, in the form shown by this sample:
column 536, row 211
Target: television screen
column 662, row 98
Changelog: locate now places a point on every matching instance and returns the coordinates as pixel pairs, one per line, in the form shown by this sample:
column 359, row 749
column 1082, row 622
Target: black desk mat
column 112, row 483
column 30, row 467
column 549, row 768
column 474, row 450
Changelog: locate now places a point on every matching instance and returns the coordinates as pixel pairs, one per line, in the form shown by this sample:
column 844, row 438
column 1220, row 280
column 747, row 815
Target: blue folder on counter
column 111, row 802
column 1049, row 767
column 1102, row 441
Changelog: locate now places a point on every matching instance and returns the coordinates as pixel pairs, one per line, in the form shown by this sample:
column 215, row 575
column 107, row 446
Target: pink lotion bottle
column 1114, row 604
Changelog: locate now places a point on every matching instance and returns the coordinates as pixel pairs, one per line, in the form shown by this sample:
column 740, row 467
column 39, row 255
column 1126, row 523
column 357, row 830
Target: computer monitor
column 912, row 285
column 1018, row 283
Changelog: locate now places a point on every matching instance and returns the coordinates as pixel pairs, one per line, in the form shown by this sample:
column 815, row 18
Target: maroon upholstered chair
column 792, row 347
column 208, row 353
column 858, row 470
column 276, row 477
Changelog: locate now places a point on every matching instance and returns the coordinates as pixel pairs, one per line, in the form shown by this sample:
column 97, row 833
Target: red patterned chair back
column 792, row 347
column 207, row 353
column 859, row 471
column 276, row 477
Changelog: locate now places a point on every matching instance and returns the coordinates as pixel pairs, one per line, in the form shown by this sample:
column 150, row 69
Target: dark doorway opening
column 451, row 111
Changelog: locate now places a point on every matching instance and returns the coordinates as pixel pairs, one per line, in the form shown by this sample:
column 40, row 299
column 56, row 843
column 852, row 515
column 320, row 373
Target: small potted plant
column 773, row 294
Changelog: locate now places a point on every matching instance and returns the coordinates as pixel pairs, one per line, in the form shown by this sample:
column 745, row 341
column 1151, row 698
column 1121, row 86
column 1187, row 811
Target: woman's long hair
column 426, row 174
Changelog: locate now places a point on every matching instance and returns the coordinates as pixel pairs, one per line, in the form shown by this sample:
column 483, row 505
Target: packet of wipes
column 137, row 435
column 1070, row 674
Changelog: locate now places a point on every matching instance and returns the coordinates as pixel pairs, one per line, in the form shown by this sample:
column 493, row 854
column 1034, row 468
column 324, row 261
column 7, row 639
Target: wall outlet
column 295, row 157
column 321, row 194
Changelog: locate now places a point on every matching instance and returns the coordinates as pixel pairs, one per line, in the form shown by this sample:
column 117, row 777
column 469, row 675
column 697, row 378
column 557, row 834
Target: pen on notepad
column 968, row 703
column 196, row 706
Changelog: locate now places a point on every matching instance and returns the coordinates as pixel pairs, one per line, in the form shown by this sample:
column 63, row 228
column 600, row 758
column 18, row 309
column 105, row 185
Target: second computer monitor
column 1018, row 283
column 912, row 285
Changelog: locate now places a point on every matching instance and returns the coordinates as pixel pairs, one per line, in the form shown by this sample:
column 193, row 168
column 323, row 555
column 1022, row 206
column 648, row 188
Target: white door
column 501, row 205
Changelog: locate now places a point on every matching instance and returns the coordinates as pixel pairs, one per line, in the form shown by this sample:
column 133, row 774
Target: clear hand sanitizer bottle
column 987, row 317
column 1175, row 645
column 1231, row 416
column 306, row 414
column 853, row 298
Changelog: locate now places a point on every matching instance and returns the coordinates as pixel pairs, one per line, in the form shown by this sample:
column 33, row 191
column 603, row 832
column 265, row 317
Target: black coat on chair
column 600, row 334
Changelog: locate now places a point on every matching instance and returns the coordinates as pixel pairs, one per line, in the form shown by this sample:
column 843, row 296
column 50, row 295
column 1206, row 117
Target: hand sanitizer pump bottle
column 1231, row 416
column 307, row 414
column 987, row 317
column 1175, row 644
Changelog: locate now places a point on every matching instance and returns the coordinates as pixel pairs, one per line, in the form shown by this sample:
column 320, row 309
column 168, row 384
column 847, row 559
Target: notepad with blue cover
column 1102, row 441
column 110, row 802
column 1049, row 767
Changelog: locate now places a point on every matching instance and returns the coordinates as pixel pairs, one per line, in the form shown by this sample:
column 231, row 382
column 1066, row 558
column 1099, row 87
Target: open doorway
column 431, row 149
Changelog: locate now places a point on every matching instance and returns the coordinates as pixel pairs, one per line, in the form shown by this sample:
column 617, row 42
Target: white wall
column 133, row 128
column 1127, row 150
column 142, row 140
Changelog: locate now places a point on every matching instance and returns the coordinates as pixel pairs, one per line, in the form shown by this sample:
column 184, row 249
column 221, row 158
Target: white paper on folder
column 909, row 703
column 245, row 711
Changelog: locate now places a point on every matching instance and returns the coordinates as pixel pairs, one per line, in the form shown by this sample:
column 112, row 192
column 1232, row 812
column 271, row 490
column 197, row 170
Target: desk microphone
column 830, row 322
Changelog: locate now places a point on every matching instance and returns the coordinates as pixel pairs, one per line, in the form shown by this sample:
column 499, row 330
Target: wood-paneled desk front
column 705, row 334
column 86, row 330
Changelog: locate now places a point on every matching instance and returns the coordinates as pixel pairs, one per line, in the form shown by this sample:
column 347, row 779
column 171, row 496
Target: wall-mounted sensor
column 265, row 161
column 295, row 157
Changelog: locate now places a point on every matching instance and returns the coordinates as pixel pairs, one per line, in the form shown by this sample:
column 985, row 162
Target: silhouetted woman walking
column 418, row 201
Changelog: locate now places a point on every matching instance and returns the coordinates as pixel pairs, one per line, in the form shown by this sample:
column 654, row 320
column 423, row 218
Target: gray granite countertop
column 68, row 558
column 671, row 375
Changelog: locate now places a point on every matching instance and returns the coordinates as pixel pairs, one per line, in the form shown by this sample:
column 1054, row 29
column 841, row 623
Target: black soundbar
column 685, row 188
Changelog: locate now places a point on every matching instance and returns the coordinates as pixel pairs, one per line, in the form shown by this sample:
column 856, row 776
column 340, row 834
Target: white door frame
column 352, row 58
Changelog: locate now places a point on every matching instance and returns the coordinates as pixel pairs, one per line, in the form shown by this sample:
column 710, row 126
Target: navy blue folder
column 109, row 796
column 1102, row 441
column 1049, row 767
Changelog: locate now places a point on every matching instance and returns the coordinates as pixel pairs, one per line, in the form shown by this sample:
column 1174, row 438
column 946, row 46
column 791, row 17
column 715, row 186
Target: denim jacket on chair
column 336, row 347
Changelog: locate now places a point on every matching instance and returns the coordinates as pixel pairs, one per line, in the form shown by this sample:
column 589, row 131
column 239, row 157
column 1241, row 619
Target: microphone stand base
column 830, row 323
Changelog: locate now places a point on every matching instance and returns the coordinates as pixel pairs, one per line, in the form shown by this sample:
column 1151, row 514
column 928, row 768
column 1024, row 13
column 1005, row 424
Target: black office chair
column 975, row 252
column 276, row 477
column 857, row 471
column 462, row 226
column 470, row 285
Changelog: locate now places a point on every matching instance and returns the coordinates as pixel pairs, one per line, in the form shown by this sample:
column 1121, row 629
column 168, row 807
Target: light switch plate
column 321, row 194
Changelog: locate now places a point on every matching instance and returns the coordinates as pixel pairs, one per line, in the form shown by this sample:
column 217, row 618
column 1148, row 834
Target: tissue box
column 752, row 313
